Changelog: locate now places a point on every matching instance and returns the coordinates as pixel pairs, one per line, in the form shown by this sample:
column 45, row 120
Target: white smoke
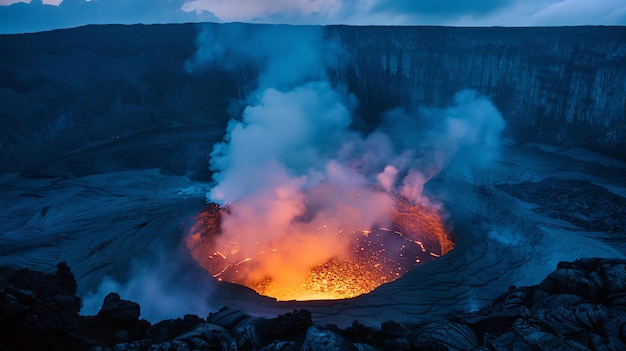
column 295, row 173
column 161, row 293
column 471, row 127
column 297, row 176
column 286, row 55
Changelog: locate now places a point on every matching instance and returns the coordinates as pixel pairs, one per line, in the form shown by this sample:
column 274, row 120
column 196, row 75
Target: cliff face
column 560, row 85
column 65, row 89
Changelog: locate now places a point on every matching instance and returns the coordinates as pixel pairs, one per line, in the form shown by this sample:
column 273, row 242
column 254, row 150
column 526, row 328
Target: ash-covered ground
column 118, row 213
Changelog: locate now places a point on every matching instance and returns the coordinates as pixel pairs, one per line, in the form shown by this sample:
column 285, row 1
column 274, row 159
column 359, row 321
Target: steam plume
column 295, row 173
column 161, row 292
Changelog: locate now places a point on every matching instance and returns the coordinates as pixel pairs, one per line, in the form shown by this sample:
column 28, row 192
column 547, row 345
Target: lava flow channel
column 414, row 235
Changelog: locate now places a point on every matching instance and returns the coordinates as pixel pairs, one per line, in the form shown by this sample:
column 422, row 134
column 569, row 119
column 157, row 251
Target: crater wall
column 66, row 89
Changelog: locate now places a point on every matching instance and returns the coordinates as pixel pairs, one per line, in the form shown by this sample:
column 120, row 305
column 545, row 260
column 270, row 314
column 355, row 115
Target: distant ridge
column 561, row 85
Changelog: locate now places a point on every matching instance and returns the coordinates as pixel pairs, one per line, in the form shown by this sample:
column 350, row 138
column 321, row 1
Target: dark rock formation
column 61, row 90
column 579, row 306
column 38, row 311
column 572, row 308
column 117, row 321
column 319, row 339
column 580, row 202
column 171, row 328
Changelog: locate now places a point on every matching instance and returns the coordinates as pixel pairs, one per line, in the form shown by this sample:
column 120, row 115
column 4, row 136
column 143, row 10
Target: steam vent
column 371, row 257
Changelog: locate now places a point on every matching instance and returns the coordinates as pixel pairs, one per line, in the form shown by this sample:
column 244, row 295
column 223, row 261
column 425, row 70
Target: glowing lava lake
column 414, row 234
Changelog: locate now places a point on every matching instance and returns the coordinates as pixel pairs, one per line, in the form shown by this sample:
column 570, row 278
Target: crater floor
column 121, row 210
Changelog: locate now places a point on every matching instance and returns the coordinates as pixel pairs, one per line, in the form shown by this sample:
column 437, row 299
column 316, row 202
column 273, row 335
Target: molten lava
column 367, row 259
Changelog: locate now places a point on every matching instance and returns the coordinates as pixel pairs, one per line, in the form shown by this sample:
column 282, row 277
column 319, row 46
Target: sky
column 17, row 16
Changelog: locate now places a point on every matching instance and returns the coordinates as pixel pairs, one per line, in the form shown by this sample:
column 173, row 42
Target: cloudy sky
column 35, row 15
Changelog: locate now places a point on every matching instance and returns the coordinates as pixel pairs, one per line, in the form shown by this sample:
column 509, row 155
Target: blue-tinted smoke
column 295, row 172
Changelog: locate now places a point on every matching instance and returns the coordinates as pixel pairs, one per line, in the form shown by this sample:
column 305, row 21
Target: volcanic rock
column 227, row 318
column 572, row 281
column 282, row 346
column 528, row 336
column 614, row 275
column 38, row 310
column 579, row 306
column 319, row 339
column 117, row 321
column 448, row 335
column 256, row 333
column 567, row 310
column 202, row 337
column 116, row 310
column 365, row 347
column 580, row 202
column 171, row 328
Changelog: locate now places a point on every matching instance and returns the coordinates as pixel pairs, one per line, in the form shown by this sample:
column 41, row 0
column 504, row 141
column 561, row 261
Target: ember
column 367, row 258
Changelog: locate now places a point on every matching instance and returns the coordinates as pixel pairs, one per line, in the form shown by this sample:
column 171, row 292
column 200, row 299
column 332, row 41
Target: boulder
column 256, row 333
column 39, row 310
column 449, row 335
column 549, row 301
column 116, row 322
column 319, row 339
column 573, row 281
column 526, row 336
column 614, row 273
column 119, row 311
column 227, row 318
column 207, row 337
column 171, row 328
column 282, row 346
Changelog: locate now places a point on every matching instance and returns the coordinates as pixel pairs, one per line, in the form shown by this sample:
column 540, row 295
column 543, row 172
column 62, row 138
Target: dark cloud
column 34, row 17
column 23, row 17
column 442, row 8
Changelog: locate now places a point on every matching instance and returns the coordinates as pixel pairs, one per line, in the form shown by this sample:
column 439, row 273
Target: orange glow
column 361, row 259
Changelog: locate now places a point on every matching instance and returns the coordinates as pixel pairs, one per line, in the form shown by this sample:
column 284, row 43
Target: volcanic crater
column 413, row 235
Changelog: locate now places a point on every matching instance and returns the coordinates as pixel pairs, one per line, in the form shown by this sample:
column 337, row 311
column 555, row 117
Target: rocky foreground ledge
column 579, row 306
